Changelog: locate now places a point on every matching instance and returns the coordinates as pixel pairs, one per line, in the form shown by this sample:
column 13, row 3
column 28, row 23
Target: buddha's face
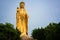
column 22, row 5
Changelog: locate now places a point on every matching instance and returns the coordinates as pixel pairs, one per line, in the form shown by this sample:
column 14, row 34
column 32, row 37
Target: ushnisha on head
column 22, row 4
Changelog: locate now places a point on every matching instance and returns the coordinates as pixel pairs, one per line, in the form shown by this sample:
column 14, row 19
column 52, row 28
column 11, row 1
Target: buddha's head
column 22, row 4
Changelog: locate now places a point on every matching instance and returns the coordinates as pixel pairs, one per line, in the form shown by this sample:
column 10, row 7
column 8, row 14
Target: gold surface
column 22, row 19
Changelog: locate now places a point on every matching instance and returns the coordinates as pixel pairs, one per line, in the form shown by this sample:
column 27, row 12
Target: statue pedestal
column 26, row 38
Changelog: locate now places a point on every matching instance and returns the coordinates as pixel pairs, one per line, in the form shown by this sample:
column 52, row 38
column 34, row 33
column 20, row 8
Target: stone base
column 26, row 38
column 31, row 38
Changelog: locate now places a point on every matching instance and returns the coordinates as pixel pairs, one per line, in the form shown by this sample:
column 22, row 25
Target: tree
column 7, row 32
column 38, row 34
column 52, row 31
column 57, row 32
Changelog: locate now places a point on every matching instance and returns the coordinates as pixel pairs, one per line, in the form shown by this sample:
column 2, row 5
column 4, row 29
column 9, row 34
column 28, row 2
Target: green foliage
column 50, row 32
column 53, row 31
column 38, row 34
column 7, row 32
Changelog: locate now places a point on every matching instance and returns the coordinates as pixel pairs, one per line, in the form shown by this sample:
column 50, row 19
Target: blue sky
column 41, row 12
